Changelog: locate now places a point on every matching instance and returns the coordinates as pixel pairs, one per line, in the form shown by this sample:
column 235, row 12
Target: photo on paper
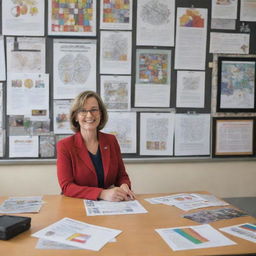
column 73, row 18
column 207, row 216
column 25, row 54
column 233, row 137
column 19, row 125
column 61, row 116
column 155, row 17
column 47, row 146
column 40, row 127
column 236, row 84
column 116, row 14
column 115, row 52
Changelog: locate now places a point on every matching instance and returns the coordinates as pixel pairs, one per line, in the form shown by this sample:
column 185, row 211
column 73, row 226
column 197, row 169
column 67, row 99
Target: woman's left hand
column 129, row 192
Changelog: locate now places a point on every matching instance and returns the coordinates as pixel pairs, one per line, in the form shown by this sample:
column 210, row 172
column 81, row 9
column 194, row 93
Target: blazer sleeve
column 122, row 176
column 65, row 172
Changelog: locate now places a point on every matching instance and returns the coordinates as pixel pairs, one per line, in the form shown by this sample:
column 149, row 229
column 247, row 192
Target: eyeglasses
column 92, row 111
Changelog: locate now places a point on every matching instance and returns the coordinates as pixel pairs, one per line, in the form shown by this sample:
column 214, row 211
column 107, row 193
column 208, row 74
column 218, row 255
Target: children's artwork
column 236, row 84
column 73, row 17
column 23, row 17
column 116, row 14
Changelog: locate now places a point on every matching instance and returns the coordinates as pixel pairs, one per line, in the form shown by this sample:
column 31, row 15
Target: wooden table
column 138, row 238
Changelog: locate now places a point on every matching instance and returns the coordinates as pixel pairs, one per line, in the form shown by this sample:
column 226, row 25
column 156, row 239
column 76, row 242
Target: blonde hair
column 78, row 103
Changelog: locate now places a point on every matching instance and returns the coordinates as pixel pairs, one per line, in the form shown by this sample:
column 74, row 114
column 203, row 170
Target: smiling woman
column 89, row 163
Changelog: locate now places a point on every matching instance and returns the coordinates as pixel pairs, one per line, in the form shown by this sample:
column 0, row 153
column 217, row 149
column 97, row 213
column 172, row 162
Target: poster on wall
column 61, row 124
column 191, row 35
column 191, row 138
column 233, row 137
column 224, row 9
column 116, row 92
column 27, row 94
column 115, row 52
column 190, row 89
column 116, row 14
column 25, row 54
column 155, row 22
column 156, row 134
column 236, row 84
column 23, row 146
column 123, row 125
column 23, row 17
column 72, row 18
column 2, row 60
column 74, row 67
column 153, row 78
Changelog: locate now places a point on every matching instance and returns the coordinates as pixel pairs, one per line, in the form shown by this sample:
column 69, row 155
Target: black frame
column 220, row 84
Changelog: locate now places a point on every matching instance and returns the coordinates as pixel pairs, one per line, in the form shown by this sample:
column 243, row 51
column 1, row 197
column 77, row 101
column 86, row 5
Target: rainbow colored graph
column 191, row 235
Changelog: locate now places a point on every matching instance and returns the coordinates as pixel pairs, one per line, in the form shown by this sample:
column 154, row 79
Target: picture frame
column 236, row 84
column 233, row 137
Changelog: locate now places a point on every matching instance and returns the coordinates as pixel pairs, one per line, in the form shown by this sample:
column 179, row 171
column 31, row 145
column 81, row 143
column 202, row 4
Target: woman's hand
column 129, row 192
column 117, row 194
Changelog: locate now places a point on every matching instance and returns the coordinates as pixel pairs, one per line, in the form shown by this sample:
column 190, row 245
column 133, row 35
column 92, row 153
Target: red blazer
column 76, row 173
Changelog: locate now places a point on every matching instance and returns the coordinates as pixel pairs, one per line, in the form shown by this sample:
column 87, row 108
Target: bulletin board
column 154, row 110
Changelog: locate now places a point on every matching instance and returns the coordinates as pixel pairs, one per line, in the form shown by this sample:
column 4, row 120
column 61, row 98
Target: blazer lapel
column 105, row 153
column 82, row 151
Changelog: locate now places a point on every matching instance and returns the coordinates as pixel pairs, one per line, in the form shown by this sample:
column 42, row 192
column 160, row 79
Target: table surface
column 138, row 237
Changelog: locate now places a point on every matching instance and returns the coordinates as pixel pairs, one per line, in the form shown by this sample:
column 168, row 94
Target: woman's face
column 89, row 116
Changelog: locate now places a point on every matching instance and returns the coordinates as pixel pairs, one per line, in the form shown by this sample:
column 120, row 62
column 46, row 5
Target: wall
column 224, row 179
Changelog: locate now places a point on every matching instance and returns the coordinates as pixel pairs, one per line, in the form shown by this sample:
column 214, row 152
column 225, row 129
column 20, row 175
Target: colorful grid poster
column 72, row 17
column 116, row 14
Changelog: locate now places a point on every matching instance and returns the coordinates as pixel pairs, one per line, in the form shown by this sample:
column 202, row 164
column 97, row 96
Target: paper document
column 193, row 237
column 112, row 208
column 79, row 234
column 246, row 231
column 21, row 204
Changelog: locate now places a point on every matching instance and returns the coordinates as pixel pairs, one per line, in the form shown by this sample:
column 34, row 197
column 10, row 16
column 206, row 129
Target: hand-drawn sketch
column 155, row 12
column 115, row 52
column 123, row 126
column 156, row 136
column 25, row 54
column 74, row 68
column 116, row 91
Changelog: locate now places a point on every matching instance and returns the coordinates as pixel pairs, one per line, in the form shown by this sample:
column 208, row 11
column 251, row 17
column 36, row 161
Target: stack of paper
column 21, row 204
column 72, row 234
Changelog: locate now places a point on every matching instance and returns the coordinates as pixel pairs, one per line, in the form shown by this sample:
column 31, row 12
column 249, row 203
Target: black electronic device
column 11, row 226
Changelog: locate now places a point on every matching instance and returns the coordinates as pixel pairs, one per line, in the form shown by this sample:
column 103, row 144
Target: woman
column 89, row 163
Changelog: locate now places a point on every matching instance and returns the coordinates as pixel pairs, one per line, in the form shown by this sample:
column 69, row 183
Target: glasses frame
column 84, row 112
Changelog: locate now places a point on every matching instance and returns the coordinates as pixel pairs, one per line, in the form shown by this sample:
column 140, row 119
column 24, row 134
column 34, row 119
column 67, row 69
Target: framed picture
column 233, row 136
column 236, row 84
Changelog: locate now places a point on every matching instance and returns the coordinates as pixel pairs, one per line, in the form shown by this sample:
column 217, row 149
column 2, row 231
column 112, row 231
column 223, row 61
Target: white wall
column 224, row 179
